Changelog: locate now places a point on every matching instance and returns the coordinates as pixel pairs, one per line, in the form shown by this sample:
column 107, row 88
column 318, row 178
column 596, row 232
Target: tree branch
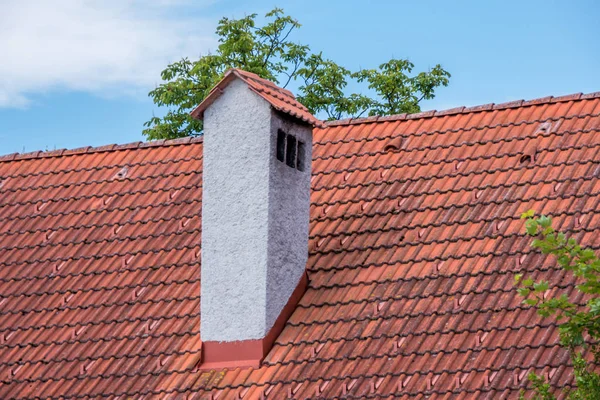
column 361, row 113
column 296, row 66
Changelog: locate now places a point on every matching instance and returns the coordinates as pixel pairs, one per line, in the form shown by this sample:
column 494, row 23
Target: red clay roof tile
column 412, row 257
column 280, row 99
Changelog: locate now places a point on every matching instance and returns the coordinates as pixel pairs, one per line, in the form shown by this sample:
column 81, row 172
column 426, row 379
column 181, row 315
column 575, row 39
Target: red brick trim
column 250, row 353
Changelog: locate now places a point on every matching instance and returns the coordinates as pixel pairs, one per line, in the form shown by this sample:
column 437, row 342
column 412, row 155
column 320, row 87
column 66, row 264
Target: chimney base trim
column 250, row 353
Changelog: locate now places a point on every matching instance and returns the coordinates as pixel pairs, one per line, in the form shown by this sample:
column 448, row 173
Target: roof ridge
column 266, row 82
column 100, row 149
column 279, row 98
column 348, row 121
column 291, row 100
column 464, row 110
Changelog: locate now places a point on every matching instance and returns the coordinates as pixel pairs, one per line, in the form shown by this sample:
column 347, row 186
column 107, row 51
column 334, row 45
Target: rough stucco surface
column 289, row 204
column 235, row 209
column 254, row 217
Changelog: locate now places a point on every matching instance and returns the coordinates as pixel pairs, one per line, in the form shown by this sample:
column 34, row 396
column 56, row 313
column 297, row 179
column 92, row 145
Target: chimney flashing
column 250, row 353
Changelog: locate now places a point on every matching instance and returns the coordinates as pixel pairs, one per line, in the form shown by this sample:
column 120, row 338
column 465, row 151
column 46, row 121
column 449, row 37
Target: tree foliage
column 579, row 324
column 268, row 51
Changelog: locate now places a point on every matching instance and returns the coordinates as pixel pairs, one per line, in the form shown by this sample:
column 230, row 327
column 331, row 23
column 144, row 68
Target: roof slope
column 415, row 239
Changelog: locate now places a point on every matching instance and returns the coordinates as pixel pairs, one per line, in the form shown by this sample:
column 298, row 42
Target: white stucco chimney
column 255, row 215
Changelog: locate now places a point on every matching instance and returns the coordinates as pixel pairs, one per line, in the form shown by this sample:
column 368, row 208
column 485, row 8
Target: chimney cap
column 280, row 99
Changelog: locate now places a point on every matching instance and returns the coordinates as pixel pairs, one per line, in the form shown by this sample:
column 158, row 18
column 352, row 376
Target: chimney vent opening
column 290, row 156
column 291, row 151
column 301, row 156
column 280, row 145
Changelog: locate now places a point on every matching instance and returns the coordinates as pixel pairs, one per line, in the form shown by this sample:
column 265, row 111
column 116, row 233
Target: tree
column 580, row 329
column 269, row 52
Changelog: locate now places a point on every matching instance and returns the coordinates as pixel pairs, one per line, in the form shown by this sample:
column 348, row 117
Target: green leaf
column 545, row 221
column 531, row 227
column 540, row 286
column 524, row 292
column 528, row 214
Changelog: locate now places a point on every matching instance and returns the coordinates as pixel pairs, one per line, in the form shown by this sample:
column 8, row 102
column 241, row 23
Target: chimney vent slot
column 280, row 145
column 301, row 156
column 290, row 156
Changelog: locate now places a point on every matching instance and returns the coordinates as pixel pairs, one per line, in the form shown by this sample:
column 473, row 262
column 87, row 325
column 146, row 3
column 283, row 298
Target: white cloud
column 106, row 47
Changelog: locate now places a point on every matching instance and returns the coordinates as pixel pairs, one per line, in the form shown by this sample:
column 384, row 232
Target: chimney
column 255, row 215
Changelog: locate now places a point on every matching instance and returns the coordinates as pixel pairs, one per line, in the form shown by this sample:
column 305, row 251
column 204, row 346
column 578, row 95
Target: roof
column 415, row 239
column 280, row 99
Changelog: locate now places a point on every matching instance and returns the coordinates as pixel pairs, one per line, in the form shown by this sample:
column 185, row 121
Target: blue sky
column 77, row 73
